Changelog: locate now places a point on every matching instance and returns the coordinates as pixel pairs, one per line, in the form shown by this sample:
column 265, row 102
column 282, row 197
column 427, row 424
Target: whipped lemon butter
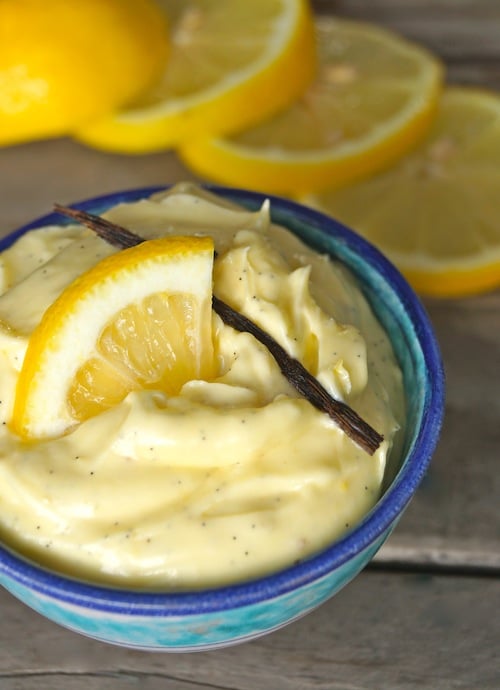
column 233, row 477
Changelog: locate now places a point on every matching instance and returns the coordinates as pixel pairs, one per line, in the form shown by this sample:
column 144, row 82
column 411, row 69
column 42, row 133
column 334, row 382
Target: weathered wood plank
column 113, row 681
column 391, row 631
column 454, row 517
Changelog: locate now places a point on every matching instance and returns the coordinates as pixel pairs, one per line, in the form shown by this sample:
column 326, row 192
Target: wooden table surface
column 425, row 614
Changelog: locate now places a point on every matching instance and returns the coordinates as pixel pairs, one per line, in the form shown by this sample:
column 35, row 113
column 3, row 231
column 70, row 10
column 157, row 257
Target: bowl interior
column 415, row 346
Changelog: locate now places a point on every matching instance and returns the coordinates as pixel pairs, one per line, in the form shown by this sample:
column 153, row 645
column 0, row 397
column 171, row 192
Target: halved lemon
column 140, row 318
column 232, row 63
column 374, row 96
column 436, row 213
column 65, row 63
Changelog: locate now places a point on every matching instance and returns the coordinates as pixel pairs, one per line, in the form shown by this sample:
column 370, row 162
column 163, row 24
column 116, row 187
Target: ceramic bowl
column 211, row 618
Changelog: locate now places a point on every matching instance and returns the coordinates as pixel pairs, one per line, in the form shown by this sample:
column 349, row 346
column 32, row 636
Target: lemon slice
column 232, row 63
column 436, row 213
column 374, row 96
column 64, row 63
column 140, row 318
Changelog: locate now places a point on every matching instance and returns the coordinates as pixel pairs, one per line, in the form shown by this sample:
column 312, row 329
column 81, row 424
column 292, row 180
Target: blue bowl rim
column 117, row 599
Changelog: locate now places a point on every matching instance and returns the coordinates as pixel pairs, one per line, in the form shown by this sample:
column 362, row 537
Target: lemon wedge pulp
column 140, row 318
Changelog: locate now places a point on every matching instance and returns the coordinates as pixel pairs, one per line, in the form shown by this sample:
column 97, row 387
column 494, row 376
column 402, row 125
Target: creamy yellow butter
column 233, row 477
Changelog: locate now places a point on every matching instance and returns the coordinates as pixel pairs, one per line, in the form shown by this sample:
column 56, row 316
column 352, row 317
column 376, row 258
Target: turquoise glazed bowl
column 206, row 619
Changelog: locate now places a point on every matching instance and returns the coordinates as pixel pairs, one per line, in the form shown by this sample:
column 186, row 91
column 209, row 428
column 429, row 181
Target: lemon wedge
column 375, row 94
column 65, row 63
column 436, row 212
column 140, row 318
column 232, row 63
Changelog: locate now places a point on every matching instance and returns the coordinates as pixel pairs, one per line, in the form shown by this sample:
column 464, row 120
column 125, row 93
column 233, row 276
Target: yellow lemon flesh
column 65, row 63
column 140, row 318
column 375, row 94
column 436, row 213
column 232, row 63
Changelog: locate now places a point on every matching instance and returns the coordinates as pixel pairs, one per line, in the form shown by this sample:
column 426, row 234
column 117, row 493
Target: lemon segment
column 232, row 63
column 436, row 213
column 65, row 63
column 374, row 96
column 140, row 318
